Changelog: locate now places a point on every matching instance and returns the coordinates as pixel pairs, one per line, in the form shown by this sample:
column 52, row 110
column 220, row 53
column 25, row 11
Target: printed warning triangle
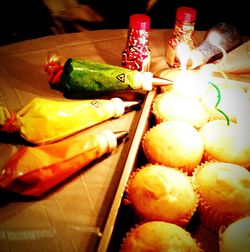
column 121, row 77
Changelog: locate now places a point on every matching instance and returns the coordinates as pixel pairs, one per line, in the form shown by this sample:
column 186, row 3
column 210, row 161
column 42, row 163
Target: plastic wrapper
column 44, row 121
column 34, row 170
column 82, row 78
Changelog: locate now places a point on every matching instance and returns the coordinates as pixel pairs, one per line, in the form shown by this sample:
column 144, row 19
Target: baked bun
column 169, row 106
column 233, row 102
column 188, row 82
column 226, row 143
column 235, row 237
column 159, row 236
column 175, row 144
column 224, row 191
column 162, row 193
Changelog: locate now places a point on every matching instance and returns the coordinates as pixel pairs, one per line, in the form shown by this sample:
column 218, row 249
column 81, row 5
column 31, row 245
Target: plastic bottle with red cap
column 183, row 32
column 137, row 55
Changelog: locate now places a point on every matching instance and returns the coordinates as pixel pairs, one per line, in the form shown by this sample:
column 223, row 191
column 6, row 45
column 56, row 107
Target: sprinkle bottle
column 137, row 55
column 183, row 32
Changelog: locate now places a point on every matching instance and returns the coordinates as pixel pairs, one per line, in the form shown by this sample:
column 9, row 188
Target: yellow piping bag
column 44, row 121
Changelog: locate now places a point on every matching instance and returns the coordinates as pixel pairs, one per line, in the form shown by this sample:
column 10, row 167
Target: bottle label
column 183, row 32
column 170, row 54
column 145, row 64
column 136, row 55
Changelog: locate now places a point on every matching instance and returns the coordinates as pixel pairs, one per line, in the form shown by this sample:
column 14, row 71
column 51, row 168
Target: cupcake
column 233, row 101
column 159, row 193
column 175, row 144
column 171, row 106
column 186, row 82
column 226, row 143
column 159, row 236
column 235, row 237
column 224, row 191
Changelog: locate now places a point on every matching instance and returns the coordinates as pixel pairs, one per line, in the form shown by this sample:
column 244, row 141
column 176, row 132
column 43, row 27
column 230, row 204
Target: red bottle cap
column 186, row 14
column 139, row 22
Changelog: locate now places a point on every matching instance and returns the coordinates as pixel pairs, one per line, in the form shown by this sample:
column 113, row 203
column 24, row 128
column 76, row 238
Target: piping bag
column 79, row 78
column 44, row 121
column 32, row 171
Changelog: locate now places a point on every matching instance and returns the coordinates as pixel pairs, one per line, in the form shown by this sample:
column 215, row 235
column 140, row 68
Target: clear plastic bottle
column 137, row 55
column 221, row 38
column 183, row 32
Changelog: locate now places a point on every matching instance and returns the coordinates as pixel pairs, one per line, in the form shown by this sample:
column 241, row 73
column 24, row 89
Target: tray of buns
column 184, row 172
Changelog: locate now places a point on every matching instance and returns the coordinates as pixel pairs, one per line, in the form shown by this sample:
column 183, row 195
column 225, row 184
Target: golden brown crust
column 171, row 106
column 158, row 236
column 233, row 102
column 226, row 143
column 157, row 192
column 175, row 144
column 236, row 236
column 224, row 191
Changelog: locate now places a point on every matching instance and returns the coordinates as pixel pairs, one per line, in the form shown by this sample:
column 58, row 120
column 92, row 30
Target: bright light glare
column 188, row 82
column 183, row 52
column 191, row 83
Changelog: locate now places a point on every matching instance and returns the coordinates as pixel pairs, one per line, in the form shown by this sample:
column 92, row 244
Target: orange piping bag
column 32, row 171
